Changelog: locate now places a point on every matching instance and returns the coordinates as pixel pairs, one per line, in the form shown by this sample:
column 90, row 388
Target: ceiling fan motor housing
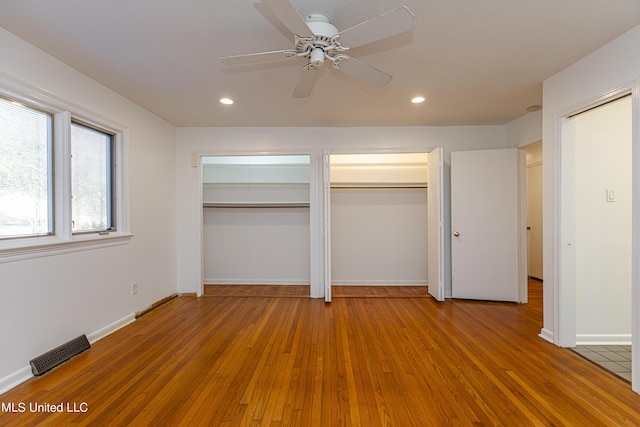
column 320, row 26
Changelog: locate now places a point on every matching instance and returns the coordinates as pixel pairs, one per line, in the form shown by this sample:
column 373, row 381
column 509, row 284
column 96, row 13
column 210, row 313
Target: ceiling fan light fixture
column 317, row 57
column 226, row 101
column 417, row 100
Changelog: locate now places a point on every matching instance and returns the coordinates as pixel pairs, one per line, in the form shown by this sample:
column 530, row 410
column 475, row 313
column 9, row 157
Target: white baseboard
column 603, row 339
column 111, row 328
column 12, row 380
column 547, row 335
column 22, row 375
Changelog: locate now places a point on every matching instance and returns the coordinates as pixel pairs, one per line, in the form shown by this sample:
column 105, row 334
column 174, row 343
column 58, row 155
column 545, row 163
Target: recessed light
column 533, row 108
column 226, row 101
column 418, row 100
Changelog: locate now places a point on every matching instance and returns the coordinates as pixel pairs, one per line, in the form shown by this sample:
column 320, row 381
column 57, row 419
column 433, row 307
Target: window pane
column 90, row 179
column 26, row 202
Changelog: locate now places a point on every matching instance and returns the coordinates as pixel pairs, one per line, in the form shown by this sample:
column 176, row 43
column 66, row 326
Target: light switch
column 611, row 195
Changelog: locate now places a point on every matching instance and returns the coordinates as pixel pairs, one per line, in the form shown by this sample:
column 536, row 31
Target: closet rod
column 376, row 187
column 255, row 205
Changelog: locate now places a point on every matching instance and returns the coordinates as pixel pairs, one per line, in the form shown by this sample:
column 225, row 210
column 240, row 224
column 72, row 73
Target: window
column 62, row 176
column 26, row 184
column 91, row 179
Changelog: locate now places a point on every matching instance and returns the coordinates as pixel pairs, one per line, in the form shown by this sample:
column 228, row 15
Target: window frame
column 63, row 240
column 111, row 175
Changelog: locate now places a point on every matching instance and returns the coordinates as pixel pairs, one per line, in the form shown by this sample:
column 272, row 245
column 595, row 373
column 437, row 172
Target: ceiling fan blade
column 364, row 72
column 289, row 17
column 305, row 82
column 386, row 25
column 256, row 57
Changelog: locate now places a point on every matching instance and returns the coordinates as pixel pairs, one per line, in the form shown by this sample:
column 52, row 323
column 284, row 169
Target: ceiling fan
column 317, row 40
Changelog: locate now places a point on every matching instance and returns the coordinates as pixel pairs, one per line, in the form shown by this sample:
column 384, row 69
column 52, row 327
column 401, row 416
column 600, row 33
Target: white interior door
column 326, row 194
column 485, row 224
column 435, row 225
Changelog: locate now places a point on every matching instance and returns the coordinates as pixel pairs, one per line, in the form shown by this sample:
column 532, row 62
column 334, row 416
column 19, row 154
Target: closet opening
column 256, row 227
column 378, row 211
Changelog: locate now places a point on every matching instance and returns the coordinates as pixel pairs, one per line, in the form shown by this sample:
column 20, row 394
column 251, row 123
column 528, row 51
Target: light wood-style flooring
column 361, row 361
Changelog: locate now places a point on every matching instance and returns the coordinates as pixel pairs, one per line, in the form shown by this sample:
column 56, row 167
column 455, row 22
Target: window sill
column 35, row 247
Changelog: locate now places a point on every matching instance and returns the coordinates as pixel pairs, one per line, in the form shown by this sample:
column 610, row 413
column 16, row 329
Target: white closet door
column 326, row 193
column 484, row 224
column 435, row 225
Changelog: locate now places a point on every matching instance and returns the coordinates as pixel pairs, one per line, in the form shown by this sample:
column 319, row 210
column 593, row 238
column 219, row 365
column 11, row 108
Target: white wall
column 49, row 300
column 603, row 242
column 256, row 246
column 524, row 130
column 379, row 236
column 613, row 67
column 192, row 142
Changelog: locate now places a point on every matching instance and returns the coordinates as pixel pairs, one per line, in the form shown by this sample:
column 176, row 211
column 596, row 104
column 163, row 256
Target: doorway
column 378, row 222
column 596, row 248
column 533, row 163
column 256, row 223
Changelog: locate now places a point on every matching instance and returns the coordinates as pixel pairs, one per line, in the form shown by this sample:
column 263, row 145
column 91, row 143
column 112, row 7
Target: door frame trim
column 196, row 162
column 364, row 151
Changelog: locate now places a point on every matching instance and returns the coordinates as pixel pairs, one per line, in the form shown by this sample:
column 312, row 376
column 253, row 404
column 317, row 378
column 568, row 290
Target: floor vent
column 53, row 358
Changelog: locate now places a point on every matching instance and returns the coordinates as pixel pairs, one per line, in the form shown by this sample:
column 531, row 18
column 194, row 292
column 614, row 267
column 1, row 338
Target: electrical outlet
column 134, row 288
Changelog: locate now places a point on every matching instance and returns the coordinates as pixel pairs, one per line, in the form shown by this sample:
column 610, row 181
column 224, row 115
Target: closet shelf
column 377, row 185
column 255, row 205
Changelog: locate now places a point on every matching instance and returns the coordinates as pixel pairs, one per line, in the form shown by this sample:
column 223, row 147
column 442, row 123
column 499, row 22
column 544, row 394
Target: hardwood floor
column 296, row 361
column 256, row 290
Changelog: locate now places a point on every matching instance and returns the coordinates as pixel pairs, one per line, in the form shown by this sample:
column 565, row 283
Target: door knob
column 456, row 234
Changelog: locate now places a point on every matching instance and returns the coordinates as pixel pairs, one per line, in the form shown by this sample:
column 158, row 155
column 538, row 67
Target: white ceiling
column 476, row 61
